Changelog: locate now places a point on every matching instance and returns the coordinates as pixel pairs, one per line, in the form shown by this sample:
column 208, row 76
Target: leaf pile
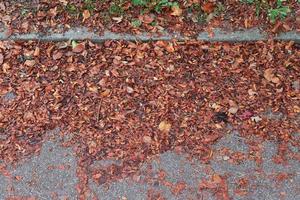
column 130, row 101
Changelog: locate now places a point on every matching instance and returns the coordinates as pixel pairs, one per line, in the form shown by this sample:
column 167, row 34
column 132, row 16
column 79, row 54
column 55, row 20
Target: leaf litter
column 183, row 16
column 131, row 101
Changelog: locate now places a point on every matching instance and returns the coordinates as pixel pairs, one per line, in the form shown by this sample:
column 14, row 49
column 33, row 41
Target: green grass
column 72, row 9
column 116, row 9
column 89, row 5
column 279, row 12
column 154, row 5
column 136, row 23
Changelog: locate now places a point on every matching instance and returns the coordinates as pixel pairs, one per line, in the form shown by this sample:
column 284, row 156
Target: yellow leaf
column 164, row 126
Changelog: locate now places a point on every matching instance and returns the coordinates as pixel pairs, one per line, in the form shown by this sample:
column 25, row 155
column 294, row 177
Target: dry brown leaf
column 270, row 76
column 57, row 55
column 118, row 19
column 170, row 48
column 29, row 116
column 29, row 63
column 178, row 188
column 216, row 178
column 147, row 139
column 36, row 51
column 1, row 58
column 164, row 126
column 86, row 14
column 93, row 88
column 147, row 19
column 296, row 109
column 79, row 48
column 208, row 7
column 105, row 93
column 5, row 67
column 233, row 110
column 129, row 89
column 177, row 11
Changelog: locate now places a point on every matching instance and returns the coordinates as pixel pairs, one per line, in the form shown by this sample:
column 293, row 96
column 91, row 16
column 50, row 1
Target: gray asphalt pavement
column 52, row 175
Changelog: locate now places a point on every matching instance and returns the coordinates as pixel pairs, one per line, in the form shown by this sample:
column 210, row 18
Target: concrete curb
column 218, row 36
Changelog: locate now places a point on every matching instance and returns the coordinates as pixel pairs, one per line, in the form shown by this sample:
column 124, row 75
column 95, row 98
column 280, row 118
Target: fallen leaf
column 270, row 76
column 216, row 178
column 129, row 90
column 177, row 11
column 78, row 48
column 93, row 88
column 296, row 109
column 233, row 110
column 53, row 12
column 147, row 139
column 64, row 2
column 251, row 92
column 57, row 55
column 170, row 48
column 215, row 106
column 164, row 126
column 105, row 93
column 147, row 19
column 29, row 63
column 178, row 188
column 277, row 26
column 29, row 116
column 5, row 67
column 246, row 115
column 207, row 184
column 256, row 119
column 208, row 7
column 36, row 51
column 1, row 58
column 118, row 19
column 86, row 14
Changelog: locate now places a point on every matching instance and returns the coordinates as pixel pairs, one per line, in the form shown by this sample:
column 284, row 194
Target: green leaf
column 74, row 44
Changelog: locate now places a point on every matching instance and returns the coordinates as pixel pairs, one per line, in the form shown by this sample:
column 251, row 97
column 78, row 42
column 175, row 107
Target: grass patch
column 116, row 9
column 154, row 5
column 279, row 12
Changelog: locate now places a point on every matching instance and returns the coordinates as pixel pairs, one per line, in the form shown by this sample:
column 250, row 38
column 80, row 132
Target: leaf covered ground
column 190, row 16
column 130, row 101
